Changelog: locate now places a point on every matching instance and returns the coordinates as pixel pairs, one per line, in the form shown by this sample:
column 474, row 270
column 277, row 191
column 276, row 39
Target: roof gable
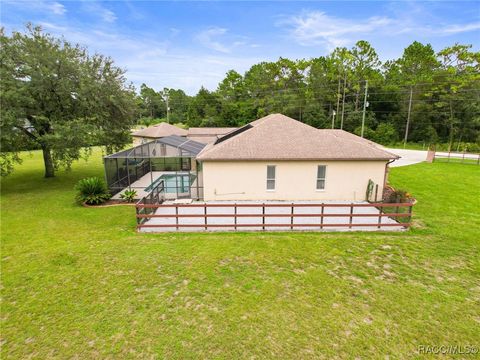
column 279, row 137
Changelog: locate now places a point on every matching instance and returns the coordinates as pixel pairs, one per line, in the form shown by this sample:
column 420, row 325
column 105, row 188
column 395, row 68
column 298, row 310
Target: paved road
column 408, row 157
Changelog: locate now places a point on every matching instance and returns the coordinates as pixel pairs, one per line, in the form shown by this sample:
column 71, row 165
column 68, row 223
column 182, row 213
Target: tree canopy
column 444, row 106
column 56, row 97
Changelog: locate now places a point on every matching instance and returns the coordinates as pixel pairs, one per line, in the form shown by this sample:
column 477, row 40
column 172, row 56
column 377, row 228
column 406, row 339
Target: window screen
column 321, row 172
column 270, row 177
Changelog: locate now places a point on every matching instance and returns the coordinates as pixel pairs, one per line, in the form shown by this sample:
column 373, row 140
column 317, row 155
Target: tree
column 58, row 98
column 412, row 72
column 152, row 103
column 178, row 103
column 385, row 133
column 457, row 90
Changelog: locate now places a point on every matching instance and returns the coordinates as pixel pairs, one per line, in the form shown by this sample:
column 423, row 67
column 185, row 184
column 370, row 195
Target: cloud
column 47, row 7
column 174, row 31
column 108, row 16
column 457, row 29
column 316, row 27
column 150, row 60
column 58, row 9
column 95, row 8
column 207, row 39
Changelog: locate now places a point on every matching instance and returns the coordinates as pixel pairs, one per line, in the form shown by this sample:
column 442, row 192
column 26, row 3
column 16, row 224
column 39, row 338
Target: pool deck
column 146, row 180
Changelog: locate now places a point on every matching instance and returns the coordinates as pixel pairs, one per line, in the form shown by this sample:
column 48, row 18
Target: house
column 203, row 135
column 279, row 158
column 157, row 131
column 270, row 159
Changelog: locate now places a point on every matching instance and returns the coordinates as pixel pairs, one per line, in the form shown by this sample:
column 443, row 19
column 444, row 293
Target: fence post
column 397, row 208
column 263, row 216
column 448, row 156
column 291, row 218
column 176, row 215
column 321, row 217
column 410, row 209
column 235, row 215
column 463, row 156
column 380, row 217
column 205, row 215
column 351, row 217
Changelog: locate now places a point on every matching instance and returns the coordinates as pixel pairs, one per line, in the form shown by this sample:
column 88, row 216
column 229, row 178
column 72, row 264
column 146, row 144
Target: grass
column 458, row 160
column 81, row 283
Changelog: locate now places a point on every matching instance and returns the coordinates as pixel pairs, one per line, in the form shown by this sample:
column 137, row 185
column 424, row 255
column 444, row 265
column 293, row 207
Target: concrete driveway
column 408, row 157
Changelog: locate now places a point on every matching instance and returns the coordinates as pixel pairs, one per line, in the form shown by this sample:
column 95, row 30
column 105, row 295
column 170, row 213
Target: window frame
column 274, row 179
column 324, row 179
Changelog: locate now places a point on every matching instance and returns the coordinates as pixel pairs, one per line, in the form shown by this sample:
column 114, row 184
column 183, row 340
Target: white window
column 321, row 172
column 271, row 177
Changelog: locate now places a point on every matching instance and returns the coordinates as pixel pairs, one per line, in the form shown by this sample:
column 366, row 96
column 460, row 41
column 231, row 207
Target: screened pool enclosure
column 166, row 165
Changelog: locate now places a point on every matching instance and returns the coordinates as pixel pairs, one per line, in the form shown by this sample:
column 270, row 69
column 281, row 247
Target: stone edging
column 105, row 206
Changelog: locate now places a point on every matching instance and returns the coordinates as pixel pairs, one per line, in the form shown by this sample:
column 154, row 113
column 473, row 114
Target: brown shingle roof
column 160, row 130
column 278, row 137
column 208, row 135
column 210, row 130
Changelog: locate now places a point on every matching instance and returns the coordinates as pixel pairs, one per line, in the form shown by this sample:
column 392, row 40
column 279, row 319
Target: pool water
column 173, row 182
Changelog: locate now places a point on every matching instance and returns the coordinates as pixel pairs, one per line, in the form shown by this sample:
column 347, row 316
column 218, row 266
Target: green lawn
column 81, row 283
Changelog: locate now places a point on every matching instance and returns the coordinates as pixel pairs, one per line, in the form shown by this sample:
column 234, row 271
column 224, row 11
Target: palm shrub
column 92, row 191
column 129, row 195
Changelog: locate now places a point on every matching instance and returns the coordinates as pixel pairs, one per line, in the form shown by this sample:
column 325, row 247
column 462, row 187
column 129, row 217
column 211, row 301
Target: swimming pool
column 171, row 183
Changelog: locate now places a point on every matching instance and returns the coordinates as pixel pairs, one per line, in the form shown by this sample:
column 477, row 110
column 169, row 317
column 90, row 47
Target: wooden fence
column 400, row 212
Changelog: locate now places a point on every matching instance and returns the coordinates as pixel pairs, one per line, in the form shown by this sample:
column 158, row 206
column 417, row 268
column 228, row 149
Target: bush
column 398, row 195
column 385, row 134
column 92, row 191
column 148, row 121
column 129, row 195
column 367, row 133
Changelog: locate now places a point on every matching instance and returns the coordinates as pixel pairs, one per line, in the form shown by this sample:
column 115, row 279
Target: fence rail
column 400, row 212
column 154, row 197
column 458, row 157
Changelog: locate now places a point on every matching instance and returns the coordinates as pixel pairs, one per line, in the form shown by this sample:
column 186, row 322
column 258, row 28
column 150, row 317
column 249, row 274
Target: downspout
column 385, row 178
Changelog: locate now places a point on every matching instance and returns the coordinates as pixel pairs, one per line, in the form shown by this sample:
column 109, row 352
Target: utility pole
column 168, row 107
column 343, row 99
column 333, row 119
column 408, row 117
column 365, row 104
column 338, row 97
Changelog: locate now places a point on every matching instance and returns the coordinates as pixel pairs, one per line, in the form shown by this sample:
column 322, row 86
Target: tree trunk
column 48, row 161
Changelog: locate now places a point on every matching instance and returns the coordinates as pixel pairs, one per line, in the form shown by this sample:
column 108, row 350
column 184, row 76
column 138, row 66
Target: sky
column 186, row 45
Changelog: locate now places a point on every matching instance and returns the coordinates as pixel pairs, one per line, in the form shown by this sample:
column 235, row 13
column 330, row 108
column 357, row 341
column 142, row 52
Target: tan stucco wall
column 139, row 140
column 295, row 180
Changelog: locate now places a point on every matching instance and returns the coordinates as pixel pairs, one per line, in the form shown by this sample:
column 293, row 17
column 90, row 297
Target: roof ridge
column 283, row 137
